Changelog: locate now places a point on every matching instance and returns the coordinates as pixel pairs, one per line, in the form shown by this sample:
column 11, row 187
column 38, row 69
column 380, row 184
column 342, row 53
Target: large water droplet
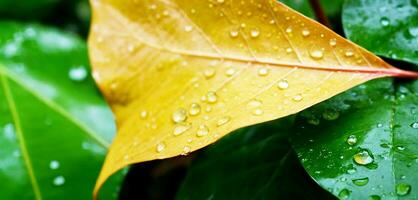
column 403, row 189
column 361, row 181
column 351, row 140
column 316, row 54
column 181, row 128
column 283, row 84
column 78, row 73
column 180, row 115
column 211, row 97
column 54, row 164
column 59, row 181
column 160, row 147
column 202, row 131
column 363, row 157
column 194, row 109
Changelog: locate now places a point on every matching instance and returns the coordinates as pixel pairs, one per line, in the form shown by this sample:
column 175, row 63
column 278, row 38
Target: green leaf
column 26, row 9
column 386, row 27
column 363, row 143
column 54, row 125
column 252, row 163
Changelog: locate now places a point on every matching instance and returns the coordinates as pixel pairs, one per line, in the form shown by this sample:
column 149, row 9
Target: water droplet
column 181, row 128
column 283, row 84
column 400, row 148
column 351, row 171
column 222, row 121
column 258, row 112
column 188, row 28
column 351, row 140
column 316, row 54
column 344, row 194
column 289, row 50
column 374, row 197
column 233, row 33
column 379, row 125
column 194, row 109
column 363, row 158
column 298, row 98
column 384, row 21
column 143, row 114
column 54, row 164
column 403, row 189
column 255, row 33
column 414, row 125
column 255, row 103
column 211, row 97
column 361, row 181
column 330, row 115
column 288, row 30
column 349, row 53
column 59, row 181
column 202, row 131
column 263, row 71
column 333, row 42
column 160, row 147
column 314, row 121
column 209, row 73
column 220, row 1
column 306, row 32
column 78, row 73
column 230, row 72
column 180, row 115
column 186, row 150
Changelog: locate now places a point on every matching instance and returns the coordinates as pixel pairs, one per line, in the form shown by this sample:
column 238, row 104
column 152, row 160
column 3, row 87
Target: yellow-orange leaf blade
column 181, row 74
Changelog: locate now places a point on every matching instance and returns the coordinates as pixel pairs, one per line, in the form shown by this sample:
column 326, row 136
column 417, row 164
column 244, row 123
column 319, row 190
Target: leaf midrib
column 19, row 132
column 56, row 107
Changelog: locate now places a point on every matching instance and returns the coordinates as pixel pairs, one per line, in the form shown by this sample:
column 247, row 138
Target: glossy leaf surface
column 363, row 144
column 251, row 163
column 54, row 126
column 385, row 27
column 177, row 83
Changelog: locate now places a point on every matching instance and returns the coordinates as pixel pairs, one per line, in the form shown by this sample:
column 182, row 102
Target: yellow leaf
column 180, row 74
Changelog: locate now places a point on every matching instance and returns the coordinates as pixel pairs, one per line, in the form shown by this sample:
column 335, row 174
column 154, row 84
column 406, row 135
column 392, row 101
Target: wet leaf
column 179, row 75
column 388, row 28
column 54, row 125
column 252, row 163
column 362, row 144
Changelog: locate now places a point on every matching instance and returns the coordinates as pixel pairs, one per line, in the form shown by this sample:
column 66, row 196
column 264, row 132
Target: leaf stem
column 319, row 13
column 405, row 74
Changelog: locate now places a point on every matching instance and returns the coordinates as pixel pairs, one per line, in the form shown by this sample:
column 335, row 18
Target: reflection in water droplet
column 54, row 164
column 403, row 189
column 211, row 97
column 194, row 109
column 78, row 73
column 160, row 147
column 384, row 21
column 351, row 140
column 316, row 54
column 283, row 84
column 263, row 71
column 59, row 181
column 202, row 131
column 255, row 33
column 333, row 42
column 180, row 115
column 344, row 194
column 222, row 121
column 181, row 128
column 363, row 158
column 361, row 181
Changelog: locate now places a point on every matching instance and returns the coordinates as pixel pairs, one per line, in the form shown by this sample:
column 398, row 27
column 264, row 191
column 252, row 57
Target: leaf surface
column 181, row 74
column 54, row 125
column 253, row 163
column 363, row 144
column 385, row 27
